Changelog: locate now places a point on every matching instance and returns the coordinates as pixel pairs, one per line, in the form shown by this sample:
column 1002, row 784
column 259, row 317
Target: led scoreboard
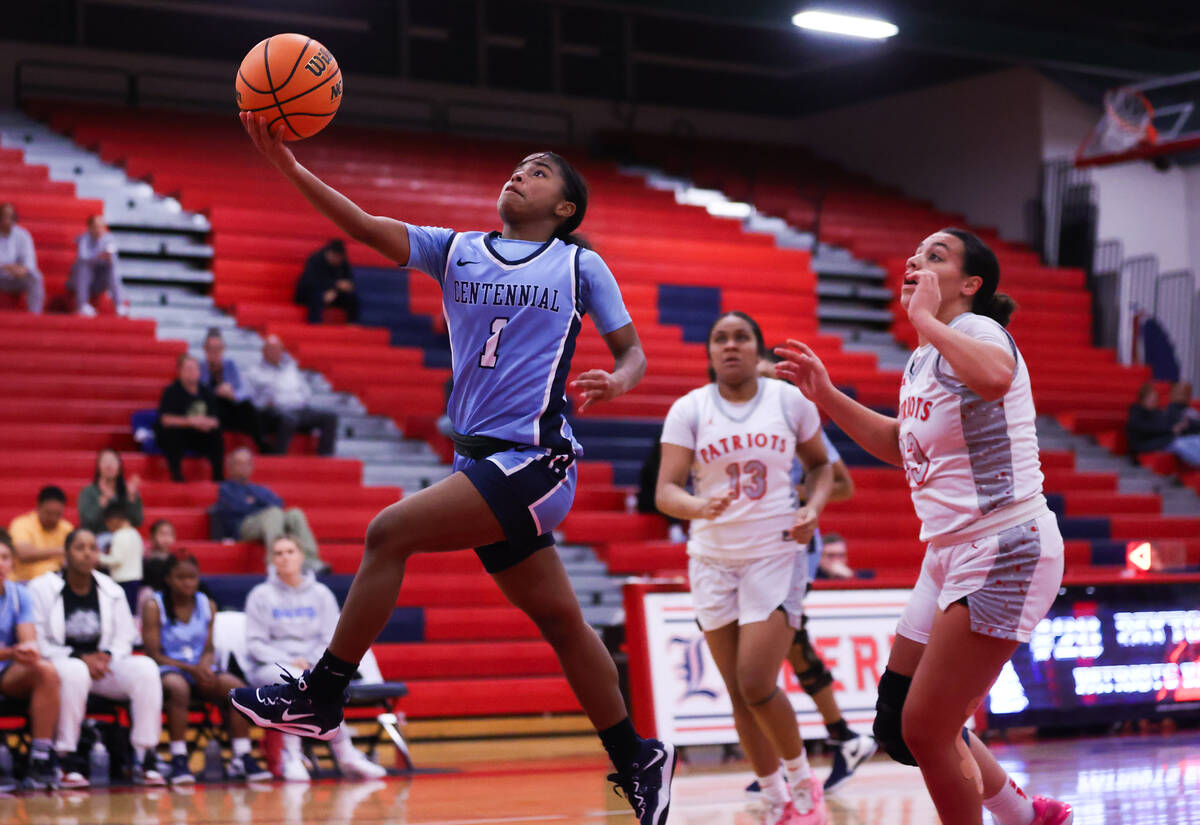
column 1106, row 653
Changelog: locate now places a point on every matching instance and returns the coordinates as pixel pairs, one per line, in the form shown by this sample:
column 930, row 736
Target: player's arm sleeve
column 801, row 414
column 599, row 293
column 679, row 428
column 428, row 247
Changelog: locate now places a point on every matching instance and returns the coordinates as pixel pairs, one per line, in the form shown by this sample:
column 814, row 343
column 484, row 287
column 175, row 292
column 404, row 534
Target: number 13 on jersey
column 755, row 486
column 491, row 349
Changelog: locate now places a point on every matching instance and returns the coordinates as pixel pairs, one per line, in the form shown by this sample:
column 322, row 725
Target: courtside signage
column 851, row 629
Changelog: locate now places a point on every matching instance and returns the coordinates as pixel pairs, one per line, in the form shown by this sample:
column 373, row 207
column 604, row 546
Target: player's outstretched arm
column 878, row 434
column 628, row 368
column 387, row 236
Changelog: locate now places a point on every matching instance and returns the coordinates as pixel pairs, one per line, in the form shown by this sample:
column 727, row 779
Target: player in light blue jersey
column 514, row 302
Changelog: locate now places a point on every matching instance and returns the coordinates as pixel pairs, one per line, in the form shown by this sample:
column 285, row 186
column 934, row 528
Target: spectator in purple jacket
column 252, row 512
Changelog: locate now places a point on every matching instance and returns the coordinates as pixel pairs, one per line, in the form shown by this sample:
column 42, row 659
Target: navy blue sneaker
column 41, row 776
column 289, row 708
column 847, row 756
column 648, row 788
column 180, row 774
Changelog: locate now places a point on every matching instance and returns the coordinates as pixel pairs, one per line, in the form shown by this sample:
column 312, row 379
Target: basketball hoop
column 1126, row 125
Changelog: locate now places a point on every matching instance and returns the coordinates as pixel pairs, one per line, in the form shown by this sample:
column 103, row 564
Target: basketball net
column 1126, row 123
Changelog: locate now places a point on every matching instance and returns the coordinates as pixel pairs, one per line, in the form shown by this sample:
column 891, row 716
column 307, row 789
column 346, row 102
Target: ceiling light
column 847, row 24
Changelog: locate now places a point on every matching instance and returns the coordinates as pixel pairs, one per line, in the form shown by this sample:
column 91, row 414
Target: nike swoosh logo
column 461, row 262
column 288, row 716
column 658, row 757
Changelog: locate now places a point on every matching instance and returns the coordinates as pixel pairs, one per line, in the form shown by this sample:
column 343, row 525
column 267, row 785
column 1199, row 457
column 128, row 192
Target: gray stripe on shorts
column 996, row 607
column 989, row 448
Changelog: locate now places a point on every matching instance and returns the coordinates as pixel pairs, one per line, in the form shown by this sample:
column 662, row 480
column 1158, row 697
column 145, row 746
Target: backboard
column 1145, row 120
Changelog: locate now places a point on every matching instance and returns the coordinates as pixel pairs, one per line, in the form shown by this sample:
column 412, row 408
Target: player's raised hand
column 927, row 297
column 802, row 367
column 714, row 506
column 271, row 146
column 596, row 385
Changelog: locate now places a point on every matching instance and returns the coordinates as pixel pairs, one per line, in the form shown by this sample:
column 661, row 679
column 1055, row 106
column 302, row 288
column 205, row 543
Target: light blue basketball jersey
column 514, row 310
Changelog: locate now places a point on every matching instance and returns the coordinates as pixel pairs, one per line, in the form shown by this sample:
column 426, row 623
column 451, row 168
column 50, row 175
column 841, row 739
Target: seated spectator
column 123, row 556
column 187, row 421
column 282, row 394
column 24, row 674
column 177, row 632
column 833, row 559
column 38, row 535
column 18, row 261
column 95, row 269
column 1179, row 407
column 158, row 553
column 109, row 487
column 1150, row 429
column 235, row 410
column 85, row 628
column 252, row 512
column 327, row 281
column 289, row 620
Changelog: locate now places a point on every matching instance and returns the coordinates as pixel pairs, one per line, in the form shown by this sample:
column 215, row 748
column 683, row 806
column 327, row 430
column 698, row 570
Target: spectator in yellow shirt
column 38, row 536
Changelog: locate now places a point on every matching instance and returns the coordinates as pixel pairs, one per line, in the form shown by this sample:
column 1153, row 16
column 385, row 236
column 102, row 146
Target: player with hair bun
column 514, row 302
column 737, row 438
column 966, row 439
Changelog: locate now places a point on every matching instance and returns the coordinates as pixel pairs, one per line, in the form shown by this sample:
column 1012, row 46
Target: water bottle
column 98, row 764
column 6, row 762
column 214, row 767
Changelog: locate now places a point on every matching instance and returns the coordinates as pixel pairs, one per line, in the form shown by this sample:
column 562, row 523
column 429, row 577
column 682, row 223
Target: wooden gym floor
column 1148, row 779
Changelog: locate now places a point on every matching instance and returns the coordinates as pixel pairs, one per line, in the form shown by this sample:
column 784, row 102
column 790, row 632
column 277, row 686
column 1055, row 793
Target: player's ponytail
column 980, row 261
column 575, row 190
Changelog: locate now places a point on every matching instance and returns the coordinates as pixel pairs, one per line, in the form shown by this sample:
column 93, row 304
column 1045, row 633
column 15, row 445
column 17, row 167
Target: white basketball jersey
column 966, row 458
column 747, row 448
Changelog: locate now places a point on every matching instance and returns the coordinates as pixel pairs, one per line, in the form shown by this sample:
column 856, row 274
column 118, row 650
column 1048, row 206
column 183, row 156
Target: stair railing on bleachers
column 1133, row 291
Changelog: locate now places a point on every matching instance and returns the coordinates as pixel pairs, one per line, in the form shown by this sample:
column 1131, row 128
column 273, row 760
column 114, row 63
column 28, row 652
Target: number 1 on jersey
column 492, row 347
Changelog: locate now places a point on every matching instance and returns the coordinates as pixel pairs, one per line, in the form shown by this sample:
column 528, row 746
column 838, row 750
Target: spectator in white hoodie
column 283, row 397
column 84, row 627
column 289, row 620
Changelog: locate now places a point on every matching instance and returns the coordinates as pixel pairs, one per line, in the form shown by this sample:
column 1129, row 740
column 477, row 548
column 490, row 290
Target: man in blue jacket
column 252, row 512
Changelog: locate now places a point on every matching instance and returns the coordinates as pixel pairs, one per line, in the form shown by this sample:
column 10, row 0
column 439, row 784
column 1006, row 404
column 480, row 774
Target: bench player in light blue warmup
column 514, row 302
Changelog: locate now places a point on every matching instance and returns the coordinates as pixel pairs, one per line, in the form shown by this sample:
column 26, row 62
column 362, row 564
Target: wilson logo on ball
column 319, row 62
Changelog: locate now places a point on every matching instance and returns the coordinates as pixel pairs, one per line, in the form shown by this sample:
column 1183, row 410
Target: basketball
column 293, row 81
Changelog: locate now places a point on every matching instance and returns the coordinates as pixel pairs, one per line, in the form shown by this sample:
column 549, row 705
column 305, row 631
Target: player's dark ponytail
column 575, row 190
column 980, row 261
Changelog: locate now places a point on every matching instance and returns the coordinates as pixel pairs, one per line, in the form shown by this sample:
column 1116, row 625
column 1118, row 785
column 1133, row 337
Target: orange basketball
column 293, row 81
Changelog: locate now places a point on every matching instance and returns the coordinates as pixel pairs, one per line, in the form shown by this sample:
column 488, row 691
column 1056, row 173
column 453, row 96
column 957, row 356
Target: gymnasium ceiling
column 734, row 55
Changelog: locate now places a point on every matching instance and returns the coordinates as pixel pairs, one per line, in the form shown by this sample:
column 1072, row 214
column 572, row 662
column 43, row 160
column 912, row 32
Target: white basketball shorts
column 1009, row 581
column 745, row 592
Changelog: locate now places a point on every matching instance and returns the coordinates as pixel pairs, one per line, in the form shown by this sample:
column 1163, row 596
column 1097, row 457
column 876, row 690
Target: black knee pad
column 816, row 676
column 889, row 709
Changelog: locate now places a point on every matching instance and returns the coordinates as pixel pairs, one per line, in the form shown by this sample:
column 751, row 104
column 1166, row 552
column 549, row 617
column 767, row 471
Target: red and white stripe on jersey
column 747, row 447
column 966, row 458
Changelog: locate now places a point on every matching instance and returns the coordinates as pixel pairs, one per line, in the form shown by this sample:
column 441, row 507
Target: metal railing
column 1125, row 291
